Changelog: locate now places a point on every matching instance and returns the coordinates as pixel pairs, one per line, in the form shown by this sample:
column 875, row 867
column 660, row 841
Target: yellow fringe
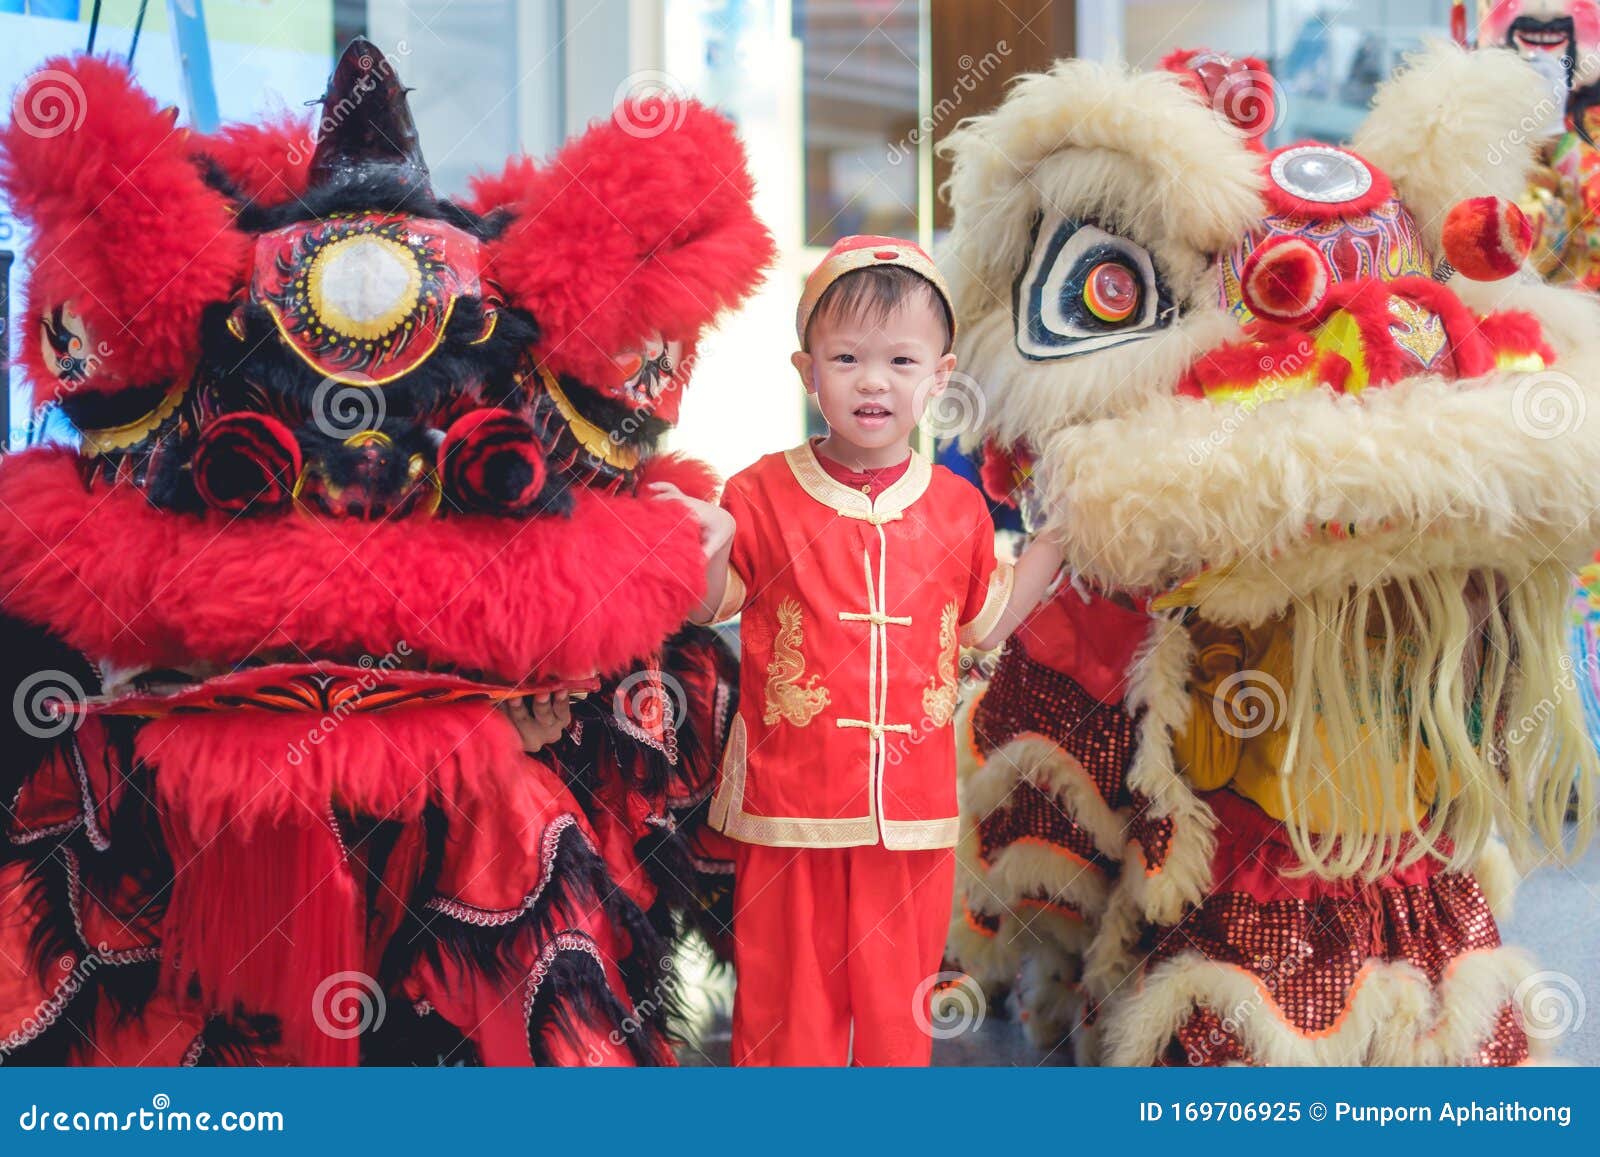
column 1395, row 718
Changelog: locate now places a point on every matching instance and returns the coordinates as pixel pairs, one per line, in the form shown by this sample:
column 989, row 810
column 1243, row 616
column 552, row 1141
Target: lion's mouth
column 322, row 689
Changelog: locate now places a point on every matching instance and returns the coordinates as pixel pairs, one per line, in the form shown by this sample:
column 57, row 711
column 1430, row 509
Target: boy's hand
column 539, row 719
column 716, row 524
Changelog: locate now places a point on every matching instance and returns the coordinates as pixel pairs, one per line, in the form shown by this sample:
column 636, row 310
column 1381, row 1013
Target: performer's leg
column 899, row 914
column 791, row 1006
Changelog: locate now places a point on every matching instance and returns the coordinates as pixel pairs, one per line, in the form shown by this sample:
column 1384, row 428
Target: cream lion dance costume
column 1238, row 793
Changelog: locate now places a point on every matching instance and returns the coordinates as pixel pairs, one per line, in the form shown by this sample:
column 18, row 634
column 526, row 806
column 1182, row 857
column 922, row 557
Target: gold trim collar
column 591, row 437
column 851, row 503
column 97, row 442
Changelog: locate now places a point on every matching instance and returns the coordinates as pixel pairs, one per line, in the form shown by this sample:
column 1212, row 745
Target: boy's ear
column 803, row 366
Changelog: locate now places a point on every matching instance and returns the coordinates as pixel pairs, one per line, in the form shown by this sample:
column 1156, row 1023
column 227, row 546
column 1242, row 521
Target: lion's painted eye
column 1085, row 289
column 1111, row 291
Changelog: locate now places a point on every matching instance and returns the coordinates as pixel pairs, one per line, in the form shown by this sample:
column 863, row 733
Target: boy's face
column 873, row 378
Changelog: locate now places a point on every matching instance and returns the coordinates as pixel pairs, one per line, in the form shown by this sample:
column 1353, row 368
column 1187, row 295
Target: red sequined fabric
column 1308, row 940
column 1034, row 815
column 1026, row 697
column 1153, row 834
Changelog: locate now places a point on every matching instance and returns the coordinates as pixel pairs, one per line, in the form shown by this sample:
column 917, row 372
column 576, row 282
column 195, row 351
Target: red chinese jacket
column 854, row 610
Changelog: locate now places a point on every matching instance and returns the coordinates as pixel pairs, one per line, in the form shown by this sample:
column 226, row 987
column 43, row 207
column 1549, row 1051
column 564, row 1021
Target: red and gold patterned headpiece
column 858, row 252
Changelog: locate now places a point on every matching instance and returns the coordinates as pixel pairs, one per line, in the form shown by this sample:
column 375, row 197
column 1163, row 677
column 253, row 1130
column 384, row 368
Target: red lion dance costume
column 358, row 463
column 1321, row 458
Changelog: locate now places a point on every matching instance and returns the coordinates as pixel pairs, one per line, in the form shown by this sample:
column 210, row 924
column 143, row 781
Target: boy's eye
column 905, row 360
column 847, row 359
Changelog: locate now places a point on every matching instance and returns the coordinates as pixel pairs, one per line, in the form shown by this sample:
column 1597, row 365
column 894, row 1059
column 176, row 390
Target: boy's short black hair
column 873, row 293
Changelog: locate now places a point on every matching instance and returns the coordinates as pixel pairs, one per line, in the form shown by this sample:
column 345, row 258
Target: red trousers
column 830, row 939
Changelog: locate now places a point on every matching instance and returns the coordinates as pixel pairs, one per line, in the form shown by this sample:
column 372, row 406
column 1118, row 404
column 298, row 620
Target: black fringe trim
column 27, row 651
column 409, row 1039
column 363, row 190
column 238, row 1042
column 575, row 996
column 579, row 881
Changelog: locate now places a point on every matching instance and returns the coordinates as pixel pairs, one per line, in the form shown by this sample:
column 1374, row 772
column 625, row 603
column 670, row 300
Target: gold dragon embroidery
column 787, row 698
column 939, row 697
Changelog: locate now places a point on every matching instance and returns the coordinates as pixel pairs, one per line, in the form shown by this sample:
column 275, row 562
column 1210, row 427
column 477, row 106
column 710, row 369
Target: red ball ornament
column 1286, row 279
column 246, row 461
column 1486, row 238
column 492, row 462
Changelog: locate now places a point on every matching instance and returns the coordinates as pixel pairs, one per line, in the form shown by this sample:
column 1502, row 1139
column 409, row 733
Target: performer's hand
column 716, row 524
column 539, row 719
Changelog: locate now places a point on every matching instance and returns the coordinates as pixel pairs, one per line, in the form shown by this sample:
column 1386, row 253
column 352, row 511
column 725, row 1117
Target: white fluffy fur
column 1051, row 1001
column 1139, row 154
column 1023, row 870
column 1037, row 760
column 1455, row 124
column 1497, row 878
column 1569, row 315
column 991, row 960
column 1185, row 486
column 1157, row 686
column 1395, row 1016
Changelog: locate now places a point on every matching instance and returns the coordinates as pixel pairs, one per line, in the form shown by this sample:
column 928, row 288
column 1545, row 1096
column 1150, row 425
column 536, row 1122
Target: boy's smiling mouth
column 872, row 413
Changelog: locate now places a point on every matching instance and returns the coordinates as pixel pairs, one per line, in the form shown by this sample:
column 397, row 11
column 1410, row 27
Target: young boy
column 860, row 570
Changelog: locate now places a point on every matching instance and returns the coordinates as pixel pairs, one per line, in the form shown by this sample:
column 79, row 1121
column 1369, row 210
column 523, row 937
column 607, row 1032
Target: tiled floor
column 1557, row 919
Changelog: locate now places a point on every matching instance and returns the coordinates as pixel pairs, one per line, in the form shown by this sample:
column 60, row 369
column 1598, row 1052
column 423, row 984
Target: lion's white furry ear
column 1454, row 124
column 1136, row 149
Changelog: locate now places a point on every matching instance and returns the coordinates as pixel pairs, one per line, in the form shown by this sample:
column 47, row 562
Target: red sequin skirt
column 1279, row 968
